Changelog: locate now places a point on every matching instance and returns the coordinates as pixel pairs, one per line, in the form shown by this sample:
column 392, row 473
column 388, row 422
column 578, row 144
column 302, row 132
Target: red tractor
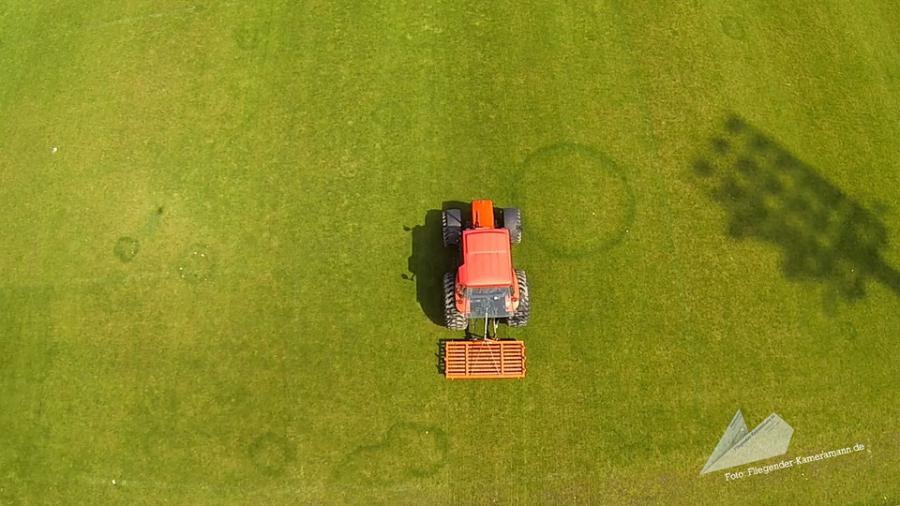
column 485, row 285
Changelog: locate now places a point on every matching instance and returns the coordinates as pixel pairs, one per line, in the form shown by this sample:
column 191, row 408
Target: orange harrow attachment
column 483, row 359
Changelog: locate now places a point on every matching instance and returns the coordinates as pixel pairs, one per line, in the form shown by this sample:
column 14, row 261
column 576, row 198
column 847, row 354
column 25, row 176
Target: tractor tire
column 520, row 317
column 512, row 221
column 451, row 226
column 453, row 319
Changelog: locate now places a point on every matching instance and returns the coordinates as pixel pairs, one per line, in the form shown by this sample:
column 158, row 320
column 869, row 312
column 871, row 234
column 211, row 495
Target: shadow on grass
column 441, row 360
column 429, row 261
column 770, row 195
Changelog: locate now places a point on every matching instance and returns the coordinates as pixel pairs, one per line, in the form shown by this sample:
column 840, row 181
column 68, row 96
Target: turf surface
column 220, row 250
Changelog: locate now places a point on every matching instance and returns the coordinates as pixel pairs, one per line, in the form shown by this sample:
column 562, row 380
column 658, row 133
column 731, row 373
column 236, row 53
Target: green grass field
column 221, row 258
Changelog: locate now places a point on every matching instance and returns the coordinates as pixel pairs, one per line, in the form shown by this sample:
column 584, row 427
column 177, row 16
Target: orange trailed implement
column 481, row 359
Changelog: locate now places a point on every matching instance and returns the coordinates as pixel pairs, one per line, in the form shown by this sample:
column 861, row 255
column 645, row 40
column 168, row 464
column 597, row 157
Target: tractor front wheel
column 451, row 225
column 512, row 221
column 454, row 320
column 520, row 317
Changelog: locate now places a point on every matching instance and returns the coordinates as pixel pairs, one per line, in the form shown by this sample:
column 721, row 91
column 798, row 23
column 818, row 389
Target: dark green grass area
column 221, row 260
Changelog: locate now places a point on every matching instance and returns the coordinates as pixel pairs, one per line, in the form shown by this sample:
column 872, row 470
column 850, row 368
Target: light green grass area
column 217, row 266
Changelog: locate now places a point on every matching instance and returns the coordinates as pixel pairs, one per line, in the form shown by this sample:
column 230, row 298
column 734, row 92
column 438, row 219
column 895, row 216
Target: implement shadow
column 429, row 261
column 441, row 361
column 770, row 195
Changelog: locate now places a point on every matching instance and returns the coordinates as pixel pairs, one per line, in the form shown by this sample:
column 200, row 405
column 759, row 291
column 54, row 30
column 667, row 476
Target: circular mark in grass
column 247, row 37
column 126, row 248
column 576, row 201
column 272, row 454
column 196, row 264
column 733, row 27
column 408, row 451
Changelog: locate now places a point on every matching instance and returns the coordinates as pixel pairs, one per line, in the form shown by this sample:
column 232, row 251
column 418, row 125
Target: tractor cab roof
column 486, row 258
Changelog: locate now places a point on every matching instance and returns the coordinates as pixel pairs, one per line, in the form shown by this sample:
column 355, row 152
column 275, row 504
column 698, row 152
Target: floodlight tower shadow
column 770, row 195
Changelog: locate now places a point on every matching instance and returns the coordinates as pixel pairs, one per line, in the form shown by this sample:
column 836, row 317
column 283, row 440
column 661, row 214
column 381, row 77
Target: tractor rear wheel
column 451, row 226
column 512, row 221
column 520, row 317
column 454, row 320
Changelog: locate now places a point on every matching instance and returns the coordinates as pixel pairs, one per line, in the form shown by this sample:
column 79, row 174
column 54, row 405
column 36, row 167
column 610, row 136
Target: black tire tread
column 512, row 221
column 520, row 317
column 453, row 319
column 451, row 231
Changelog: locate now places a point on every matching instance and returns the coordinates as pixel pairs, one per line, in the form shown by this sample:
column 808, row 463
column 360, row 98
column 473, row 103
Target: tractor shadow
column 429, row 261
column 768, row 194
